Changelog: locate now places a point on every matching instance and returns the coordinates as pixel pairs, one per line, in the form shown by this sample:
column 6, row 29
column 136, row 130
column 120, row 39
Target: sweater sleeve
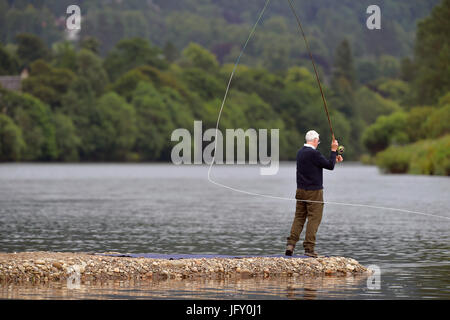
column 325, row 163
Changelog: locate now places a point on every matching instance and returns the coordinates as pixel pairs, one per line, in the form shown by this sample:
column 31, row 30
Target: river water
column 163, row 208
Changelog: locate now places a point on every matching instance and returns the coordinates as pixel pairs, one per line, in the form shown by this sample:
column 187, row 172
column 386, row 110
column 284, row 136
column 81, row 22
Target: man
column 310, row 165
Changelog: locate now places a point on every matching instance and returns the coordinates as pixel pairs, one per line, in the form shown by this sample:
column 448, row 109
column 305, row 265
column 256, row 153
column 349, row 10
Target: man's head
column 312, row 138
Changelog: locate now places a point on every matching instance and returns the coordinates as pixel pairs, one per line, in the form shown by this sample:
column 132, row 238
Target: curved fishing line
column 276, row 197
column 229, row 83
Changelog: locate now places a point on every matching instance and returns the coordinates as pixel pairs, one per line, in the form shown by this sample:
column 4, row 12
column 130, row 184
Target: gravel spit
column 42, row 267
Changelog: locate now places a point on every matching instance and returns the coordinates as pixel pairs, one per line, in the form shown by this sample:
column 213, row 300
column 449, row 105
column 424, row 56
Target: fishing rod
column 341, row 148
column 267, row 196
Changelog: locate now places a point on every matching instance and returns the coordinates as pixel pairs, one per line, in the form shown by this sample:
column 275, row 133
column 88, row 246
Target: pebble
column 57, row 265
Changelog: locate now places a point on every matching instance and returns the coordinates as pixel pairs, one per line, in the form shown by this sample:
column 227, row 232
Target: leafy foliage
column 142, row 69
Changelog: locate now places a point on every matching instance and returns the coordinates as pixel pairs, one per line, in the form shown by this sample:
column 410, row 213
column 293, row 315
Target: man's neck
column 309, row 145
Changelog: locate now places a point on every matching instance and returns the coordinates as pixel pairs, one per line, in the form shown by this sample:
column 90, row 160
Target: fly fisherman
column 310, row 165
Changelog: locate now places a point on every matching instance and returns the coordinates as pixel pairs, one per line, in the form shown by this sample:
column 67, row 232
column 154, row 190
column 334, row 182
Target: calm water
column 162, row 208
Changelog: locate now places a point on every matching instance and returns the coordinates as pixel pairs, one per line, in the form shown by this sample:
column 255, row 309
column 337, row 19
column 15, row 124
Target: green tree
column 343, row 64
column 268, row 86
column 389, row 66
column 30, row 48
column 371, row 105
column 127, row 83
column 179, row 111
column 3, row 12
column 343, row 81
column 135, row 24
column 91, row 44
column 196, row 56
column 205, row 84
column 342, row 97
column 170, row 51
column 105, row 24
column 393, row 89
column 300, row 102
column 407, row 70
column 432, row 55
column 67, row 140
column 11, row 142
column 154, row 123
column 35, row 121
column 131, row 53
column 9, row 64
column 367, row 71
column 113, row 131
column 64, row 56
column 90, row 70
column 79, row 104
column 47, row 83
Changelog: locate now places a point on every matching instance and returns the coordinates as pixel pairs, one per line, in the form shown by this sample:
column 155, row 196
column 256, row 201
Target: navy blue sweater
column 310, row 165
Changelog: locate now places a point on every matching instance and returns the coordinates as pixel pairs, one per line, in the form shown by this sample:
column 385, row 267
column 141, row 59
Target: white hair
column 311, row 135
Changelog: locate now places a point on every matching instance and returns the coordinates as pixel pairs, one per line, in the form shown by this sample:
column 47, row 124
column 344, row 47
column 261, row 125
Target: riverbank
column 37, row 267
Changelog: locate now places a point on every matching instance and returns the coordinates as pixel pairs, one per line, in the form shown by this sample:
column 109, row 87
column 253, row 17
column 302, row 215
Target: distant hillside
column 222, row 26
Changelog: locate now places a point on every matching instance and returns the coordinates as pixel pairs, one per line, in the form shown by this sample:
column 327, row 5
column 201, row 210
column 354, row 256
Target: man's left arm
column 326, row 163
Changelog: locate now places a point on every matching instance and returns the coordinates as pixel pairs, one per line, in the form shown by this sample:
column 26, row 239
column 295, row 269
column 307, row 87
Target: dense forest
column 140, row 69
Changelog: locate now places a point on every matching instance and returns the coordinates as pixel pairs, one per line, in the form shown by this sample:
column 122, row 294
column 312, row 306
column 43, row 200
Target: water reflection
column 253, row 288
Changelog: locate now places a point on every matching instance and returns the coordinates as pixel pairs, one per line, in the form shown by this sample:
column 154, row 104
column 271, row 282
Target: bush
column 430, row 157
column 385, row 131
column 367, row 159
column 417, row 118
column 438, row 123
column 394, row 159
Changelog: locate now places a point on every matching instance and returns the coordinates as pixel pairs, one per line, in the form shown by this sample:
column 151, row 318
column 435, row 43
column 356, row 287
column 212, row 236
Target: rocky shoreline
column 42, row 267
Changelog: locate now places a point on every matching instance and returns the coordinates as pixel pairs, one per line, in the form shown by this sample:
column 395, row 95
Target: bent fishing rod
column 341, row 148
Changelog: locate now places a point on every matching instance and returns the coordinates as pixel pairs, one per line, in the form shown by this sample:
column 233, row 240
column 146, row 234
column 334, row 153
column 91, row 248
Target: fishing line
column 286, row 198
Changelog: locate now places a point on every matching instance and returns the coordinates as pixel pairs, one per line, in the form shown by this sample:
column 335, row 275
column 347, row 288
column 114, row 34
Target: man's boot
column 311, row 253
column 289, row 250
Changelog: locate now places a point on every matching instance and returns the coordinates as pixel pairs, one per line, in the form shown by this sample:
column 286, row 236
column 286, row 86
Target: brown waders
column 311, row 211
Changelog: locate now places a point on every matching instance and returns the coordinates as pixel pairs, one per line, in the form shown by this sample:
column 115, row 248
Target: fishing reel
column 340, row 149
